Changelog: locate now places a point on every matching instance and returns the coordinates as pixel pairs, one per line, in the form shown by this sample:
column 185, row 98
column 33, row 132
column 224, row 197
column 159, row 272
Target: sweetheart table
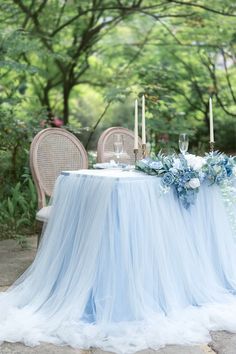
column 123, row 267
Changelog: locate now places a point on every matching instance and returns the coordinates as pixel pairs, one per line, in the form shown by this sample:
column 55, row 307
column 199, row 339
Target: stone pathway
column 13, row 262
column 8, row 348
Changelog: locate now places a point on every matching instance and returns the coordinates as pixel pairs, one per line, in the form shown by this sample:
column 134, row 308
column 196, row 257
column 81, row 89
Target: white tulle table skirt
column 123, row 267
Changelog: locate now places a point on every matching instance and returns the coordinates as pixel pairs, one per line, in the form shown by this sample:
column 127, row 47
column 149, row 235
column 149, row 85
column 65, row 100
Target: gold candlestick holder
column 135, row 155
column 212, row 144
column 144, row 150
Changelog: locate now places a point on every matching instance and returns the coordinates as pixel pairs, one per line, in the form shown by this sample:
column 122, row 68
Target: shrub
column 17, row 211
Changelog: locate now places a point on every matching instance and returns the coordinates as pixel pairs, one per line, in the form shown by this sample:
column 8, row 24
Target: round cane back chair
column 52, row 151
column 105, row 149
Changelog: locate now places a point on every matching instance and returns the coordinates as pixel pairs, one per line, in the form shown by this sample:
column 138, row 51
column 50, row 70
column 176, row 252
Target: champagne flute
column 183, row 143
column 118, row 144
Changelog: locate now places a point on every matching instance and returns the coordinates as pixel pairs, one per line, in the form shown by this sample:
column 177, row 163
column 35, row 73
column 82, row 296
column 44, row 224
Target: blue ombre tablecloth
column 124, row 267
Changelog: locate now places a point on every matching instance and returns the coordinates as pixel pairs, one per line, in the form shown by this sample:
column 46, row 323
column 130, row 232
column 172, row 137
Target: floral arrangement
column 187, row 172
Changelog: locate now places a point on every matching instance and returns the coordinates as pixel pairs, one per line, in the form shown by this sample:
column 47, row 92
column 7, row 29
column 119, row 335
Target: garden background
column 81, row 63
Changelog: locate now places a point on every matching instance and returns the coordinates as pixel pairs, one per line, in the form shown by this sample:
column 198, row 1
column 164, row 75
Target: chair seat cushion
column 43, row 214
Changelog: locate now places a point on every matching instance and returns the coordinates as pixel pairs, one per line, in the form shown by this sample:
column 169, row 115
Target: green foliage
column 86, row 62
column 177, row 54
column 18, row 200
column 17, row 211
column 15, row 137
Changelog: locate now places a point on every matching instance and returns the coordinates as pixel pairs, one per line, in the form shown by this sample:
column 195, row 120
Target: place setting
column 119, row 153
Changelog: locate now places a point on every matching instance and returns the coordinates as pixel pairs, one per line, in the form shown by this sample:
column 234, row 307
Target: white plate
column 107, row 165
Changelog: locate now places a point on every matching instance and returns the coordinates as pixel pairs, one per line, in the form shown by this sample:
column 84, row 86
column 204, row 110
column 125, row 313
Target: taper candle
column 143, row 121
column 211, row 121
column 136, row 125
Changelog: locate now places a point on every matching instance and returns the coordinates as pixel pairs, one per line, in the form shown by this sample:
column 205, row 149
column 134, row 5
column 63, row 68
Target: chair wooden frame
column 41, row 190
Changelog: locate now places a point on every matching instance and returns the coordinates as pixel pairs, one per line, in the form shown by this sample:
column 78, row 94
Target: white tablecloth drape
column 123, row 267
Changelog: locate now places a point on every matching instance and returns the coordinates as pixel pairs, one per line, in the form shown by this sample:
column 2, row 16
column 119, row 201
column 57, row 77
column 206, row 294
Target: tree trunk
column 46, row 101
column 66, row 110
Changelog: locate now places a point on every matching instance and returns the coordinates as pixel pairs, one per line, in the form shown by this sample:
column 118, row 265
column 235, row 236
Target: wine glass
column 118, row 144
column 183, row 143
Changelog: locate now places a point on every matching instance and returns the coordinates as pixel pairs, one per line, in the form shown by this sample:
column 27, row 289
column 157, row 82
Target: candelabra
column 135, row 155
column 212, row 144
column 144, row 150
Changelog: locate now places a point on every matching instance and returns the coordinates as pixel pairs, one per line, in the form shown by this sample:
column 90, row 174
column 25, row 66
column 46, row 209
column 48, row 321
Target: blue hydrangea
column 187, row 176
column 168, row 179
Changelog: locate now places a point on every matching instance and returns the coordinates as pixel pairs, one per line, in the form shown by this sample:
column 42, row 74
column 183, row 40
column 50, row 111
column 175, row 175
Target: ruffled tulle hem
column 191, row 326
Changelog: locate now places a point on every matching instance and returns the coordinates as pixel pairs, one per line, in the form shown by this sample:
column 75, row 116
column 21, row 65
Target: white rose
column 195, row 162
column 189, row 157
column 199, row 162
column 194, row 183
